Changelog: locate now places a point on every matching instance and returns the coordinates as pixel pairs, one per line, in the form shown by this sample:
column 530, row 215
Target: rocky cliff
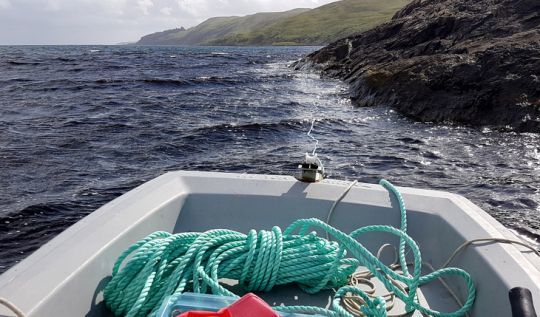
column 467, row 61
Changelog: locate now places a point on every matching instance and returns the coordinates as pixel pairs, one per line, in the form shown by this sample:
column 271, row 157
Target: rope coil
column 166, row 264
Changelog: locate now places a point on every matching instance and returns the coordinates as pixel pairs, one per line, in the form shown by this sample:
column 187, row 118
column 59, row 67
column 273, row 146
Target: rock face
column 467, row 61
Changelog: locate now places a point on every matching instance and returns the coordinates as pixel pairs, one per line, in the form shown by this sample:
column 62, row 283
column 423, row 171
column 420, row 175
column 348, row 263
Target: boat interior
column 67, row 275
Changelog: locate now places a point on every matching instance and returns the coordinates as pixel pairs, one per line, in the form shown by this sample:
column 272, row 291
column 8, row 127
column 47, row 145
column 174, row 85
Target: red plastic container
column 248, row 306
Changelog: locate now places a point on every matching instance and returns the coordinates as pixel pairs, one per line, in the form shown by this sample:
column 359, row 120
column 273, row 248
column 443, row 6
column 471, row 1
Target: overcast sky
column 115, row 21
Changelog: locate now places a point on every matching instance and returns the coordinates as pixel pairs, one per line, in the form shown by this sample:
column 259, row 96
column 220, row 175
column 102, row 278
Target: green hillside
column 295, row 27
column 321, row 25
column 215, row 28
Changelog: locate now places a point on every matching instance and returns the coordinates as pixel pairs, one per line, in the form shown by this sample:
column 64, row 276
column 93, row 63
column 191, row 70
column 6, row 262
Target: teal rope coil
column 165, row 264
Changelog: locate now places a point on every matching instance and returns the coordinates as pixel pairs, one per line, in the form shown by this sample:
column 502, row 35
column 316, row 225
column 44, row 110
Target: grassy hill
column 215, row 28
column 295, row 27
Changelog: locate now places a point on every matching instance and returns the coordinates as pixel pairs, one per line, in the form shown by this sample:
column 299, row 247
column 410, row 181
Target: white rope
column 11, row 307
column 313, row 138
column 500, row 240
column 337, row 201
column 352, row 302
column 388, row 245
column 359, row 278
column 446, row 286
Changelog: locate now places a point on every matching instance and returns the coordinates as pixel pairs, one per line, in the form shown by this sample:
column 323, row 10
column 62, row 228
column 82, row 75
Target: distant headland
column 301, row 26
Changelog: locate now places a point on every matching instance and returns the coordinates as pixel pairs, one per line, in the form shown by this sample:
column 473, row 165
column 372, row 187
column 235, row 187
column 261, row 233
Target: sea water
column 81, row 125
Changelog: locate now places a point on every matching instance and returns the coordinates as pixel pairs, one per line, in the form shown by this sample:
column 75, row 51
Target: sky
column 117, row 21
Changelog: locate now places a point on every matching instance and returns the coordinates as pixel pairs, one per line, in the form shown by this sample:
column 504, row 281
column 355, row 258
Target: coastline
column 432, row 62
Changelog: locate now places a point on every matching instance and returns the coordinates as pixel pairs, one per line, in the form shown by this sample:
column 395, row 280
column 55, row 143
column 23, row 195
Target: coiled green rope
column 164, row 264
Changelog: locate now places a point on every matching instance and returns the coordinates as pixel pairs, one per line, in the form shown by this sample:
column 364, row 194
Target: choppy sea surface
column 81, row 125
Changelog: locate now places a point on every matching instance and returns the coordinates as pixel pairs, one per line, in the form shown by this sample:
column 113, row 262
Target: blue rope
column 165, row 264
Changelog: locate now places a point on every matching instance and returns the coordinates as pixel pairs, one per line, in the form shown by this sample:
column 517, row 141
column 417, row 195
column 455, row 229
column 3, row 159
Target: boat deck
column 66, row 276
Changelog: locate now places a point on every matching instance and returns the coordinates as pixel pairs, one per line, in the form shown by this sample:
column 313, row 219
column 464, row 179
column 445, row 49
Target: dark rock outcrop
column 467, row 61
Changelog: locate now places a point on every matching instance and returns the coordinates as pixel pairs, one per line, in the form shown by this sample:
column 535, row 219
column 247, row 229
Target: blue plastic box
column 172, row 307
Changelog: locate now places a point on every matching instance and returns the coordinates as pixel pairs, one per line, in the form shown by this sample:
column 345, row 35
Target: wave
column 527, row 232
column 23, row 63
column 75, row 70
column 166, row 81
column 38, row 210
column 109, row 81
column 410, row 140
column 216, row 80
column 65, row 59
column 26, row 230
column 173, row 81
column 71, row 84
column 296, row 125
column 252, row 126
column 16, row 80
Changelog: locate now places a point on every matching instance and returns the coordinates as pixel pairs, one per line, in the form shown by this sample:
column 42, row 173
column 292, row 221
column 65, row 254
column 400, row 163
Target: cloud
column 166, row 10
column 114, row 21
column 105, row 7
column 5, row 4
column 53, row 5
column 194, row 8
column 145, row 5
